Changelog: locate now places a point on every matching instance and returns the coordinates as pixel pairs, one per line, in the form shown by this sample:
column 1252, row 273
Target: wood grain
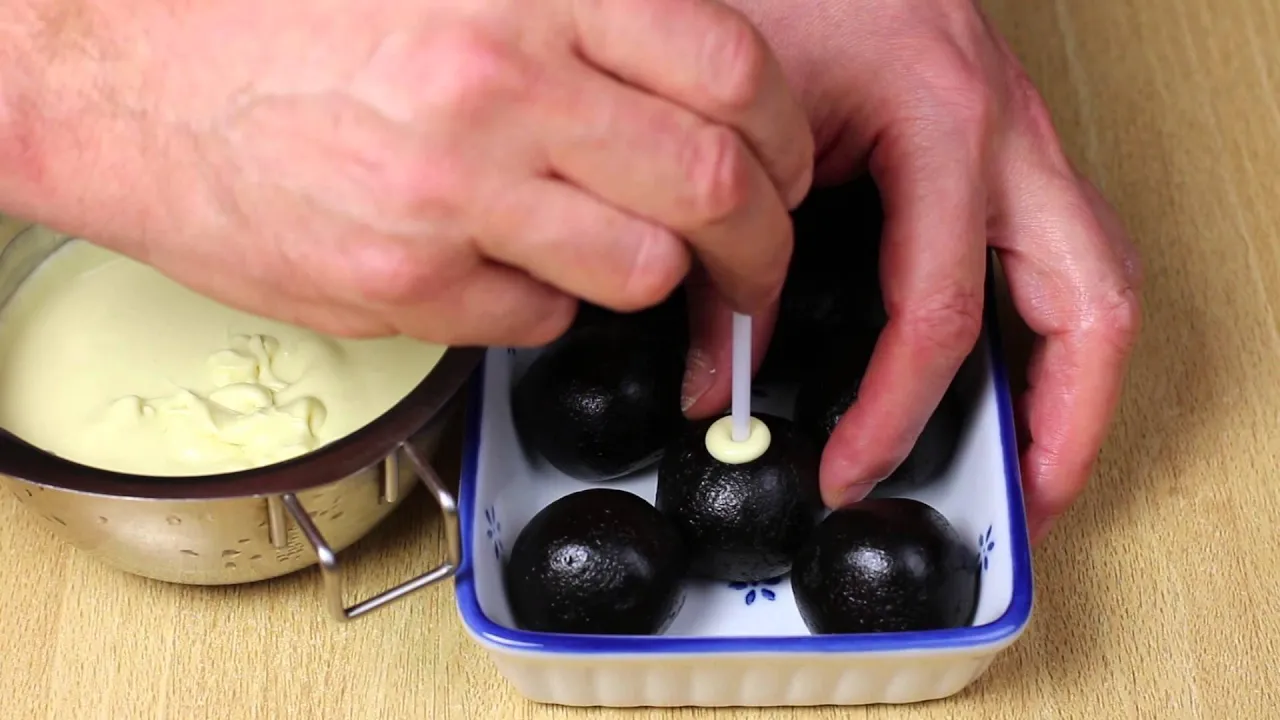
column 1156, row 593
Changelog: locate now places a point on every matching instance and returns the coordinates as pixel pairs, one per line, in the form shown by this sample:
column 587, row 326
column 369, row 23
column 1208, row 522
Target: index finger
column 709, row 58
column 933, row 268
column 664, row 163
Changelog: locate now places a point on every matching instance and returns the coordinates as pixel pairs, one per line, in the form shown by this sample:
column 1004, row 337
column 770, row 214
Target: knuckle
column 1130, row 260
column 1036, row 114
column 1119, row 318
column 949, row 321
column 1113, row 234
column 657, row 267
column 468, row 70
column 717, row 173
column 410, row 190
column 959, row 95
column 554, row 321
column 1134, row 268
column 736, row 63
column 394, row 274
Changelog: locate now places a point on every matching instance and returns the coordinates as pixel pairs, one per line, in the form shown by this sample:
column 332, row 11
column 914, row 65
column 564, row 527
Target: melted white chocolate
column 722, row 446
column 107, row 362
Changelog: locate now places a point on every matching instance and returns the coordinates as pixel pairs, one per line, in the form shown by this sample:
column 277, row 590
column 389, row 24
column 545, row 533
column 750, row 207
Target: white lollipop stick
column 741, row 407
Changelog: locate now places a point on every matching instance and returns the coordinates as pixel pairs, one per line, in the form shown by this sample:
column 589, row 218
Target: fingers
column 439, row 290
column 1075, row 283
column 670, row 167
column 493, row 305
column 280, row 302
column 417, row 295
column 710, row 59
column 583, row 246
column 933, row 272
column 708, row 381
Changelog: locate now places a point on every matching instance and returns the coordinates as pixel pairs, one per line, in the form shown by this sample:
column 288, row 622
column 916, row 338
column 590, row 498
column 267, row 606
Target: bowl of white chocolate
column 179, row 439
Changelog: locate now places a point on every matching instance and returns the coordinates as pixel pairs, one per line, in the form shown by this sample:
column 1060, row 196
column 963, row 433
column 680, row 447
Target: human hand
column 930, row 99
column 459, row 173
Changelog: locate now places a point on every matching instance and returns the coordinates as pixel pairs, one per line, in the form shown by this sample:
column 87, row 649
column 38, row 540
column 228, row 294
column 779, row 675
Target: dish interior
column 432, row 385
column 980, row 495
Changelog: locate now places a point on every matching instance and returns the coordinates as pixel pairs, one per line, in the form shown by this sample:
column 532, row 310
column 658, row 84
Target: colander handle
column 331, row 572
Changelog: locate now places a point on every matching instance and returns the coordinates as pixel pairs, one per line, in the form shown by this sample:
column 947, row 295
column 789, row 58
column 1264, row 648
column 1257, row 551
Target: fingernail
column 850, row 481
column 699, row 376
column 856, row 492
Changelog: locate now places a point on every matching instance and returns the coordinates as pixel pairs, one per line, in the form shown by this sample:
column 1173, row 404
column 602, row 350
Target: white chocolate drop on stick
column 722, row 447
column 739, row 437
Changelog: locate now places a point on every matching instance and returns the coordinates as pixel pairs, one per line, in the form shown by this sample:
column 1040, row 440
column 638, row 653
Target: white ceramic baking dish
column 737, row 644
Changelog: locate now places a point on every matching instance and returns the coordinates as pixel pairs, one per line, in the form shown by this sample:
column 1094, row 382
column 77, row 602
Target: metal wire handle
column 331, row 573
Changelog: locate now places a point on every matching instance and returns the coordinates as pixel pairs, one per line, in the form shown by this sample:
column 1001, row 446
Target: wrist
column 45, row 114
column 77, row 154
column 19, row 126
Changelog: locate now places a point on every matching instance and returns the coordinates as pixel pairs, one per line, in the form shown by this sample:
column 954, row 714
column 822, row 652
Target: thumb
column 708, row 381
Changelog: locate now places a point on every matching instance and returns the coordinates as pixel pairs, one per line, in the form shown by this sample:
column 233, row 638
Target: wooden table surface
column 1156, row 595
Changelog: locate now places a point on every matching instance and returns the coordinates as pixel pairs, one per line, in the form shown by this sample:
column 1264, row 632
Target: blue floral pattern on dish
column 985, row 546
column 757, row 590
column 493, row 530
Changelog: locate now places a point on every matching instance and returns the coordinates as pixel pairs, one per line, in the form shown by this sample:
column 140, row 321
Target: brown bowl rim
column 337, row 460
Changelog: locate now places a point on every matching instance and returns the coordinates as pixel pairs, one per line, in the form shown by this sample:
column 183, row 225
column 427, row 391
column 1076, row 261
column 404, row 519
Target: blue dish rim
column 1008, row 626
